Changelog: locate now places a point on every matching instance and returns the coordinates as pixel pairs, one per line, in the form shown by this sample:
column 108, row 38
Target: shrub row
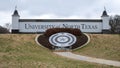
column 73, row 31
column 44, row 41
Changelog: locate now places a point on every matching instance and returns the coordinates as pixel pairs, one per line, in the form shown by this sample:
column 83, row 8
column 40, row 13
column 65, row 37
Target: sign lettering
column 43, row 26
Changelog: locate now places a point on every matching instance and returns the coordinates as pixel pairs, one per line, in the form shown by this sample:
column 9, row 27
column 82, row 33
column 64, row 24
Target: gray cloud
column 57, row 8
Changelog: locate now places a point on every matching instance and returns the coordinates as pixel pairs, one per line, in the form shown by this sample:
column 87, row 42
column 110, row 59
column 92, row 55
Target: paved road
column 89, row 59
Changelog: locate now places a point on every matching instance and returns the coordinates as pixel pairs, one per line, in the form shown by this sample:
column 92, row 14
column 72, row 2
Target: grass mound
column 21, row 51
column 106, row 46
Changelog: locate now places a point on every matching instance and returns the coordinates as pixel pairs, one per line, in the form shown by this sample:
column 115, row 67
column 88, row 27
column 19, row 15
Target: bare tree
column 115, row 24
column 3, row 30
column 8, row 26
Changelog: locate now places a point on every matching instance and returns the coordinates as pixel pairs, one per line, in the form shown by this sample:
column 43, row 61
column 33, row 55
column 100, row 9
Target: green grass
column 21, row 51
column 106, row 46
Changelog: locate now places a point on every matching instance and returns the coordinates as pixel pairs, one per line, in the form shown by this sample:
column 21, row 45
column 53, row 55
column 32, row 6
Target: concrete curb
column 36, row 39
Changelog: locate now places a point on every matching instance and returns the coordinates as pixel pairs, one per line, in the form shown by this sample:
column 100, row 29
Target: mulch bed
column 44, row 41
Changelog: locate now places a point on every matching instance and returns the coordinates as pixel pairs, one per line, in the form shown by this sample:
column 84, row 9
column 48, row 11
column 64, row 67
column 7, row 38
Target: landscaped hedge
column 44, row 39
column 73, row 31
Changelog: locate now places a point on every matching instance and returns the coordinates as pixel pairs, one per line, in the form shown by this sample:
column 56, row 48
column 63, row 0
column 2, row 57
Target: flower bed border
column 43, row 41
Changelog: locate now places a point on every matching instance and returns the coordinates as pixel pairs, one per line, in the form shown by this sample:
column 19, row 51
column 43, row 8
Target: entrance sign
column 41, row 25
column 62, row 39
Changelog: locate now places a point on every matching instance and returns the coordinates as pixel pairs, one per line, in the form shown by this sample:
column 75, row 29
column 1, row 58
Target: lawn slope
column 21, row 51
column 106, row 46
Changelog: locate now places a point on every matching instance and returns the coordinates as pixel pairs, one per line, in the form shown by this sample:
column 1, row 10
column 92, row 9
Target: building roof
column 60, row 20
column 104, row 13
column 15, row 13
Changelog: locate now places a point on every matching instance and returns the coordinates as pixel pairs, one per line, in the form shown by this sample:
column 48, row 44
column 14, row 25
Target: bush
column 73, row 31
column 44, row 41
column 3, row 30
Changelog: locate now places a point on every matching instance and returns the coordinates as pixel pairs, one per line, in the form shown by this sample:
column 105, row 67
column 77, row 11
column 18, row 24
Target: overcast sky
column 57, row 9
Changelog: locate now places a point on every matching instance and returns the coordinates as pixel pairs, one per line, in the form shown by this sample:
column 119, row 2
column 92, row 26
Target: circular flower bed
column 44, row 39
